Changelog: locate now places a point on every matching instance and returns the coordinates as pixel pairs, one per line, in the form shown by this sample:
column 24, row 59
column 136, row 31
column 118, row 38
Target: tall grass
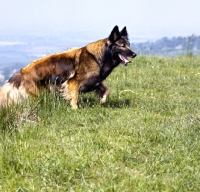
column 145, row 138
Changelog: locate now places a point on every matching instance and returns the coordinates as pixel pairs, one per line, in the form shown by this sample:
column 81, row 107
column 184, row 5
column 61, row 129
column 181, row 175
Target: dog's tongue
column 124, row 59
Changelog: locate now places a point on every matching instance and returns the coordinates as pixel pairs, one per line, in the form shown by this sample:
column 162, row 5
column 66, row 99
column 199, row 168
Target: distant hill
column 17, row 54
column 170, row 46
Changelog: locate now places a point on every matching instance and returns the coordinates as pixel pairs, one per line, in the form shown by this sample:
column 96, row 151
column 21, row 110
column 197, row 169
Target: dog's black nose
column 134, row 55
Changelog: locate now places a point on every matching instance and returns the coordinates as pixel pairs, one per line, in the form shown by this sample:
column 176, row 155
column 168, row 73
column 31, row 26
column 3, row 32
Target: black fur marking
column 16, row 80
column 62, row 72
column 90, row 85
column 58, row 79
column 108, row 64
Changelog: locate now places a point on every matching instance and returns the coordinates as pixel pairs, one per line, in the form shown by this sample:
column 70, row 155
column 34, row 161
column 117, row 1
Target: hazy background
column 144, row 19
column 30, row 29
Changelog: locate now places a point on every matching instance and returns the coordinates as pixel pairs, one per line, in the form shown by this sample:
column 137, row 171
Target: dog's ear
column 113, row 35
column 124, row 33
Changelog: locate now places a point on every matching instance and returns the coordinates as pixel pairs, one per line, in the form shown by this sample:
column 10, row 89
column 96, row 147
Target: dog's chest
column 90, row 84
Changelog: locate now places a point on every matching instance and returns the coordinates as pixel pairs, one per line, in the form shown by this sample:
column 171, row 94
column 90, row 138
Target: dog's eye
column 123, row 45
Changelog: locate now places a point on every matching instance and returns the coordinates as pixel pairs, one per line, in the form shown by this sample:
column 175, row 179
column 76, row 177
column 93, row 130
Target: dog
column 78, row 70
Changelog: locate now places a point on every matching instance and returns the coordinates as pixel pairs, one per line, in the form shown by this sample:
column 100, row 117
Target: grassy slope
column 145, row 138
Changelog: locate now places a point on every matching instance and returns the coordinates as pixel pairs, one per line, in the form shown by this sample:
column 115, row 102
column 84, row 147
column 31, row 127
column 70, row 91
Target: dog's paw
column 103, row 100
column 74, row 107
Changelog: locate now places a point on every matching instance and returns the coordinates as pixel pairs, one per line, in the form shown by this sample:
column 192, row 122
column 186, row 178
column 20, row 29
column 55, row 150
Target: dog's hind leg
column 31, row 87
column 69, row 91
column 102, row 91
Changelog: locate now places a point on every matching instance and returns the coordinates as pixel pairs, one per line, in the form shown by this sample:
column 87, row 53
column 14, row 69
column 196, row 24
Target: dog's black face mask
column 121, row 51
column 120, row 46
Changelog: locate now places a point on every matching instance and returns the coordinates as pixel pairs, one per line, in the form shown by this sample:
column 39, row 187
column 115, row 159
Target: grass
column 145, row 138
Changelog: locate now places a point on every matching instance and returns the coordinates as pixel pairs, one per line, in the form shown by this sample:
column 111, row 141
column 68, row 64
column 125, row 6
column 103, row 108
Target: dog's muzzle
column 124, row 59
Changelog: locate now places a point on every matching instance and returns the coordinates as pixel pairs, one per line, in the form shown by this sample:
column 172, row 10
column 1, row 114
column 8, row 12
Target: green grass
column 145, row 138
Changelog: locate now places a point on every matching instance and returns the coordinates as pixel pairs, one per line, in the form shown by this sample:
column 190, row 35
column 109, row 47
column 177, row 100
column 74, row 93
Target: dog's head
column 120, row 47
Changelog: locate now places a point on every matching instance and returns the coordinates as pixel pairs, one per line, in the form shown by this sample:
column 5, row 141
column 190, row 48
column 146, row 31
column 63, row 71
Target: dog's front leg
column 74, row 100
column 102, row 91
column 70, row 92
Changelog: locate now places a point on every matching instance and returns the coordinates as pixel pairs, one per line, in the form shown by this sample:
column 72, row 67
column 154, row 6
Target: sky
column 144, row 19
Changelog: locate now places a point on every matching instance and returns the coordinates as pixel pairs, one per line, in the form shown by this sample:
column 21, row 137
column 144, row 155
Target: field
column 145, row 138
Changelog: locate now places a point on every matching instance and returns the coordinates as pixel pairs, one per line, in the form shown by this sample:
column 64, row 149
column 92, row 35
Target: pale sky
column 150, row 18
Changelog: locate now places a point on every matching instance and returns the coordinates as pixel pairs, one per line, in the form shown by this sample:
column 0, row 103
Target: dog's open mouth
column 124, row 59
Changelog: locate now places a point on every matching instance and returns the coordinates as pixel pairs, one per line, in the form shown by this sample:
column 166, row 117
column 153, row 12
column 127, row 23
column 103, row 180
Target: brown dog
column 73, row 71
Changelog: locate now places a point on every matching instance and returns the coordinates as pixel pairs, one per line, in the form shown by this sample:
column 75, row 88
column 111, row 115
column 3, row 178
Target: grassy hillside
column 145, row 138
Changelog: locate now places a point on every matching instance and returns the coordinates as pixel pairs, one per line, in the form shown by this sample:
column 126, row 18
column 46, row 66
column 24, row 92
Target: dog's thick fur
column 73, row 71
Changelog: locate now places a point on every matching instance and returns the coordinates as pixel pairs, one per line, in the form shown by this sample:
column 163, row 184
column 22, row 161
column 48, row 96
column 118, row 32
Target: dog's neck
column 97, row 48
column 101, row 51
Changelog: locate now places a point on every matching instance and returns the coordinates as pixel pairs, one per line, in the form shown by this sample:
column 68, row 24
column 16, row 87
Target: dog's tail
column 12, row 91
